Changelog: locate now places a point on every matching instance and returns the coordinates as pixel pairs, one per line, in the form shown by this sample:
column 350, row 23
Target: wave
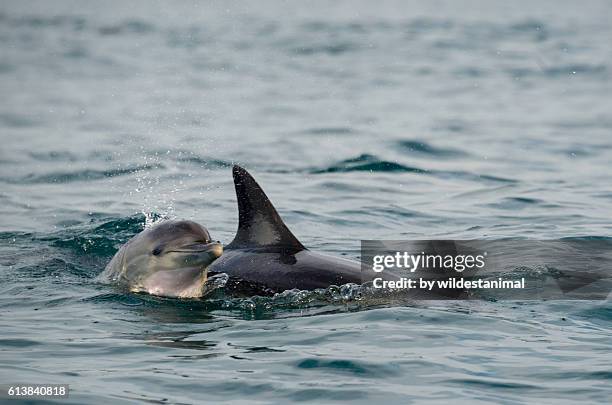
column 516, row 203
column 127, row 27
column 84, row 175
column 370, row 163
column 43, row 21
column 54, row 156
column 329, row 48
column 562, row 71
column 425, row 148
column 367, row 163
column 328, row 131
column 102, row 240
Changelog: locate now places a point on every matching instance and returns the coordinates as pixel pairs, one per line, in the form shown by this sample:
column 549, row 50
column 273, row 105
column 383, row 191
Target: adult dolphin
column 265, row 257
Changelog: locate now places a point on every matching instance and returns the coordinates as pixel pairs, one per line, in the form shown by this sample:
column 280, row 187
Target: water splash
column 348, row 296
column 152, row 218
column 158, row 201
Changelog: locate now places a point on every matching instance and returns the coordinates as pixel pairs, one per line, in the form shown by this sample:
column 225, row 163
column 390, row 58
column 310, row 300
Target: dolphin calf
column 265, row 257
column 169, row 259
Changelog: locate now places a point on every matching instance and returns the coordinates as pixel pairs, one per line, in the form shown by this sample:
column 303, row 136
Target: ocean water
column 361, row 120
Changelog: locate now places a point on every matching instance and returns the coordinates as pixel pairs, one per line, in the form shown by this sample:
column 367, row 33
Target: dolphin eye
column 157, row 251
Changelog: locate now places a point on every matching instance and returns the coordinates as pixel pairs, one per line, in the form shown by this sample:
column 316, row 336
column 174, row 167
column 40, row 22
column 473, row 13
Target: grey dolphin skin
column 265, row 257
column 169, row 259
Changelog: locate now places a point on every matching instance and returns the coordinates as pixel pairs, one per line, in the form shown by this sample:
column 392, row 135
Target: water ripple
column 367, row 163
column 83, row 175
column 424, row 148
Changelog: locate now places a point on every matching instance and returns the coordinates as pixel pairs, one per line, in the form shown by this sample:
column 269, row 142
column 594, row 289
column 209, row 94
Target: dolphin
column 266, row 258
column 169, row 259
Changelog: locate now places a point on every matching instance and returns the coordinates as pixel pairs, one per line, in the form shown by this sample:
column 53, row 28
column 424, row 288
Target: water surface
column 385, row 120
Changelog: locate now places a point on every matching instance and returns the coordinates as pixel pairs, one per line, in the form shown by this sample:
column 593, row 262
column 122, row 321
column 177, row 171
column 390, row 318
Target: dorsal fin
column 259, row 225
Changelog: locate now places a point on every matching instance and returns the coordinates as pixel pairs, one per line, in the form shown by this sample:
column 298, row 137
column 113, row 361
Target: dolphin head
column 169, row 259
